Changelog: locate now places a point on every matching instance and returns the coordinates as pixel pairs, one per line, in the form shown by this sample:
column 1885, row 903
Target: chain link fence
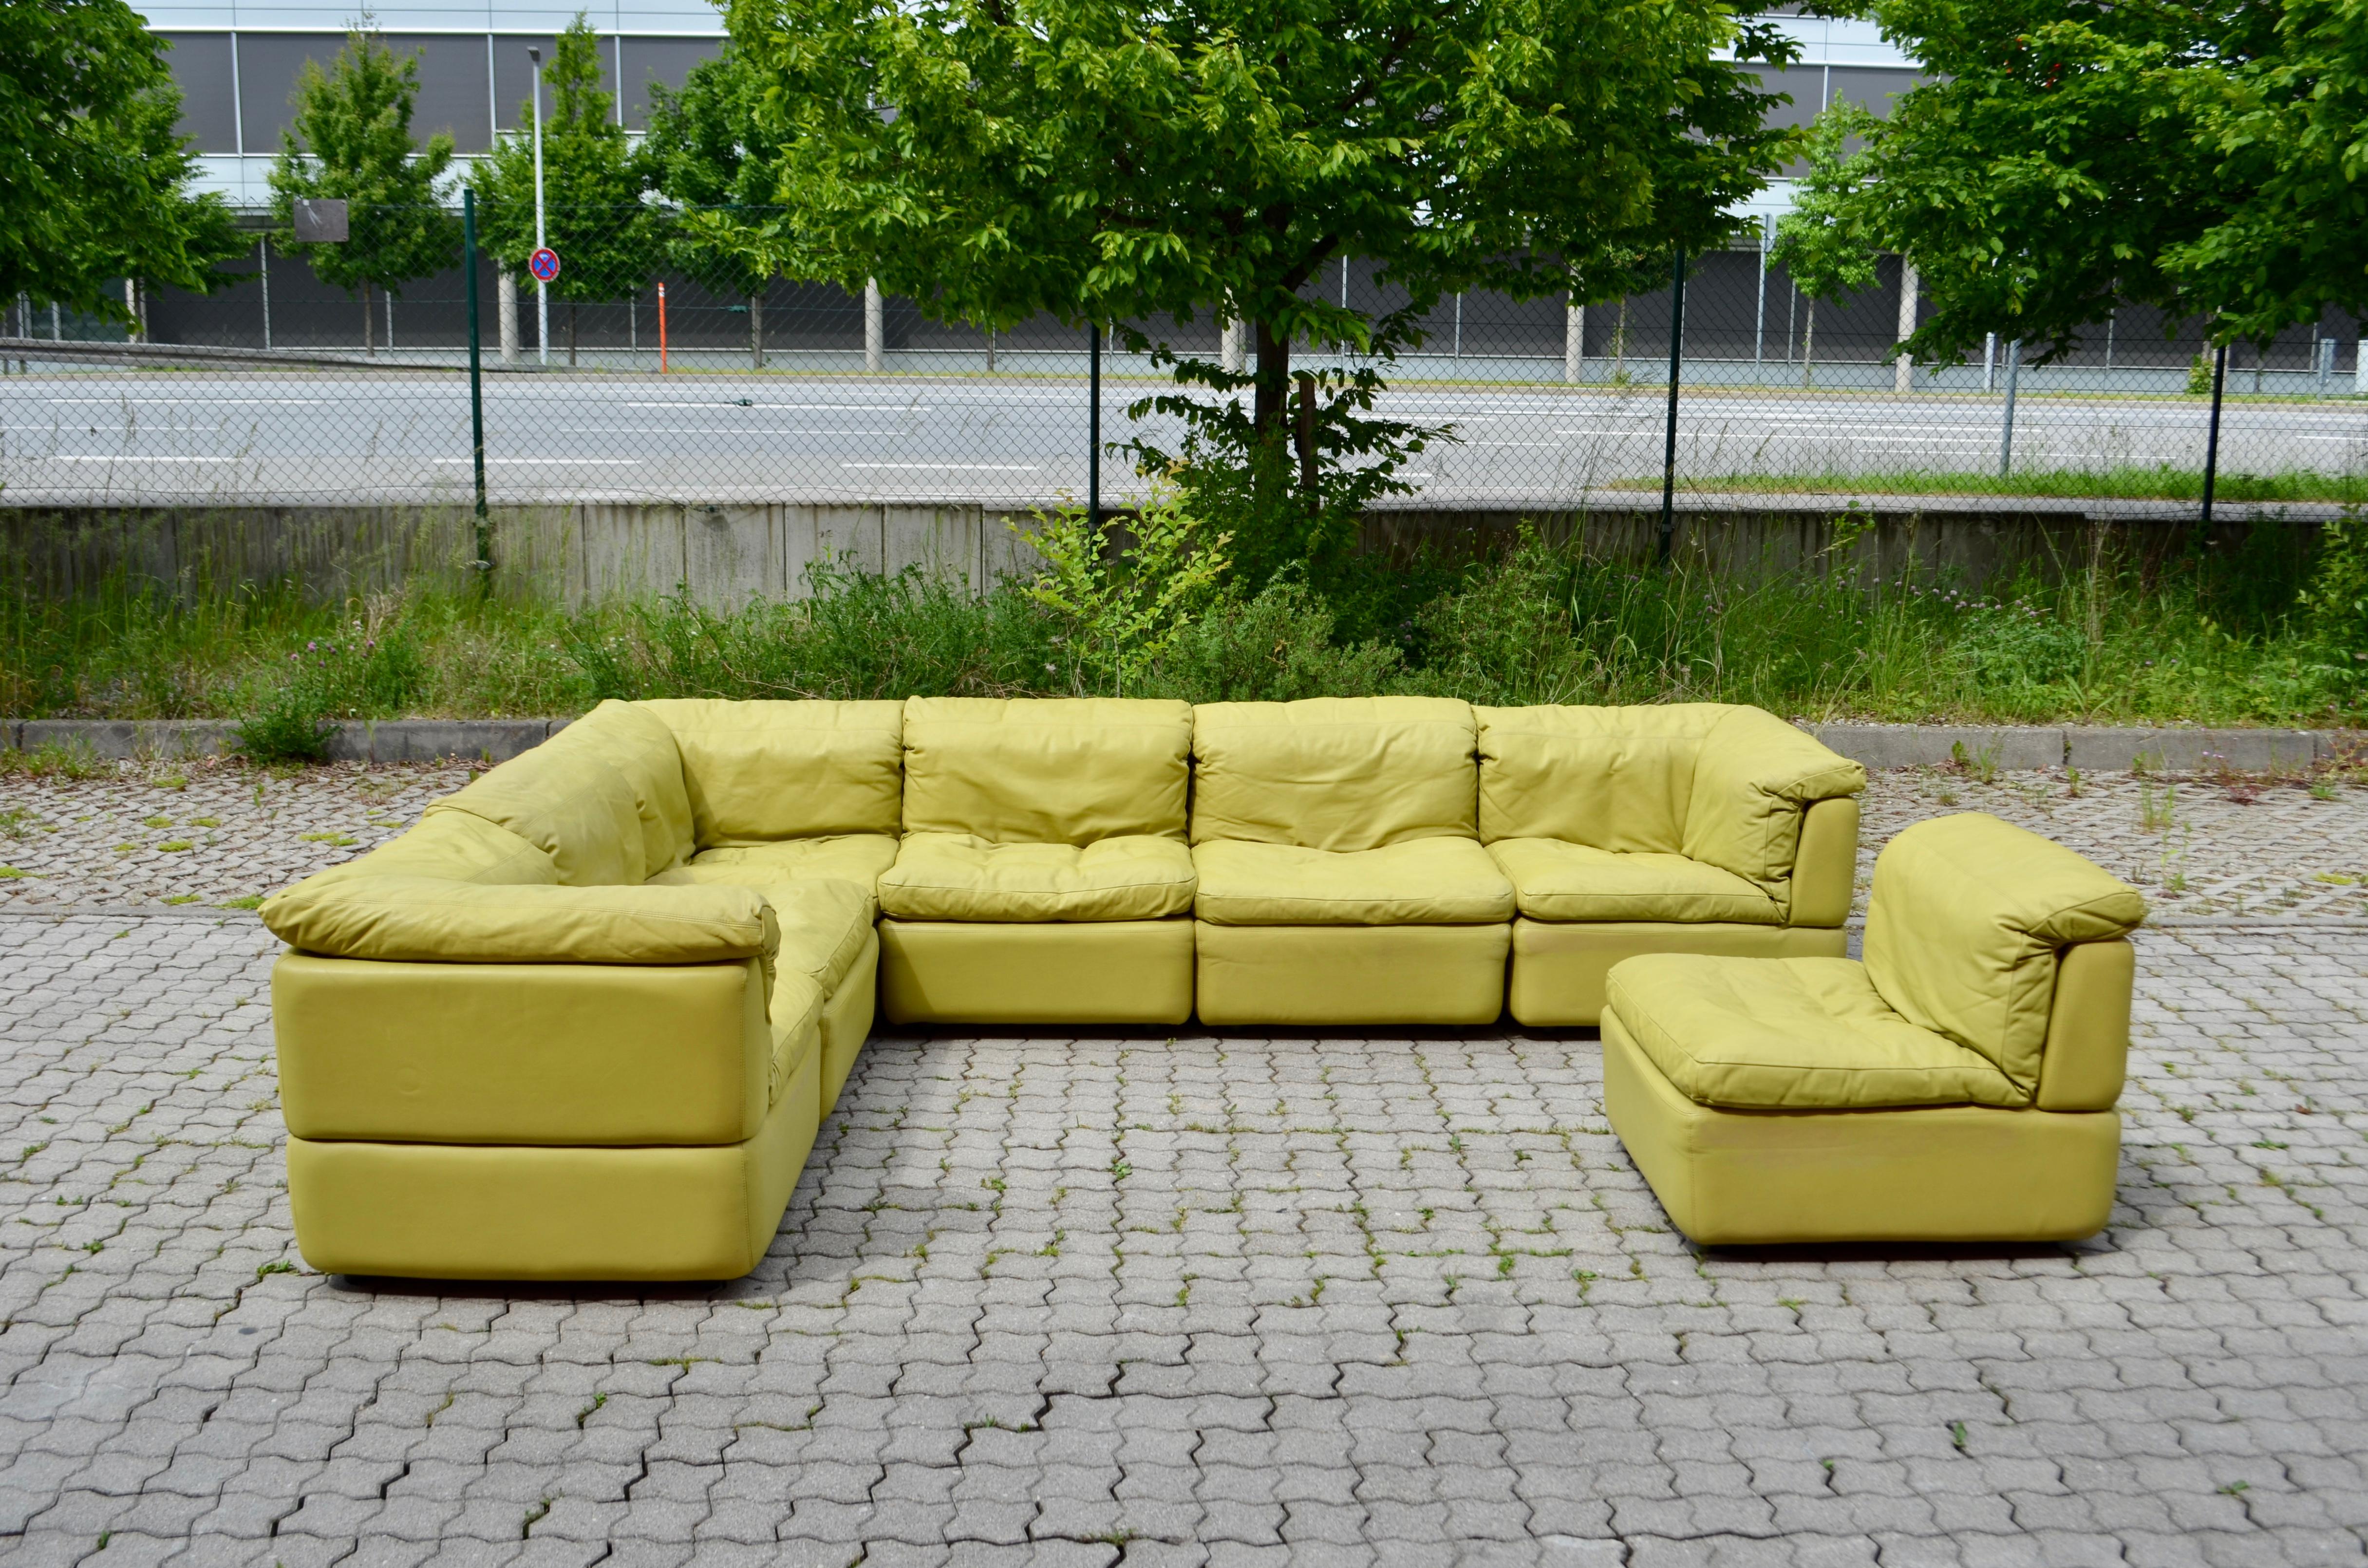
column 668, row 385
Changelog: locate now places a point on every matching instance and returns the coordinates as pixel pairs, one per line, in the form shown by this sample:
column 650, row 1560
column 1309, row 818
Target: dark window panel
column 201, row 64
column 269, row 66
column 664, row 60
column 452, row 87
column 1874, row 86
column 514, row 76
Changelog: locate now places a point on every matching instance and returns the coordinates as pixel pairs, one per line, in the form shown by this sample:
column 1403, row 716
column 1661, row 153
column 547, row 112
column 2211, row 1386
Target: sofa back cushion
column 1617, row 778
column 1048, row 770
column 604, row 798
column 455, row 844
column 1341, row 773
column 1716, row 782
column 759, row 772
column 1967, row 917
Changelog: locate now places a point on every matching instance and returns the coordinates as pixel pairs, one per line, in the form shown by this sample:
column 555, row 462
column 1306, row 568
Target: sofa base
column 1313, row 976
column 846, row 1021
column 1117, row 971
column 1559, row 967
column 1937, row 1174
column 491, row 1211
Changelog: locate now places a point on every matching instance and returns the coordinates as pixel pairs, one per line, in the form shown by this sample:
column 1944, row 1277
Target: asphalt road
column 115, row 438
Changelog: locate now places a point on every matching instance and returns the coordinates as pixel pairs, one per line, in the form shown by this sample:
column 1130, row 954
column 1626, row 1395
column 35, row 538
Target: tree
column 350, row 141
column 2055, row 162
column 594, row 216
column 1112, row 161
column 1822, row 244
column 93, row 177
column 2290, row 129
column 705, row 149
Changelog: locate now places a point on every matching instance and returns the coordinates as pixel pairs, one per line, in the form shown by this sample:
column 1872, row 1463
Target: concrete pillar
column 1903, row 369
column 1574, row 344
column 505, row 302
column 1232, row 351
column 2359, row 369
column 875, row 327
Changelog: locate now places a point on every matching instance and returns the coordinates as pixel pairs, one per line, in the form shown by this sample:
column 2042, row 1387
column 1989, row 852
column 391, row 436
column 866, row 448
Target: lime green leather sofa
column 1959, row 1085
column 585, row 1019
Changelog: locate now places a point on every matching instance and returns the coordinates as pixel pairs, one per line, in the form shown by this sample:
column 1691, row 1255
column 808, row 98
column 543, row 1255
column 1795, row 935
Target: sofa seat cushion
column 857, row 857
column 1423, row 882
column 823, row 924
column 1557, row 880
column 795, row 1010
column 958, row 875
column 1791, row 1034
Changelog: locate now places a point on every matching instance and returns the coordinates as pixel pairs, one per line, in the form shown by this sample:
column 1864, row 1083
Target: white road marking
column 965, row 467
column 578, row 462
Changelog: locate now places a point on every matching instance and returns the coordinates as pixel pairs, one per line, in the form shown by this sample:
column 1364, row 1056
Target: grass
column 2164, row 482
column 2209, row 635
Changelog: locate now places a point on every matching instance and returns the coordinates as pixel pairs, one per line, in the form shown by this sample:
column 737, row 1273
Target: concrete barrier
column 2090, row 748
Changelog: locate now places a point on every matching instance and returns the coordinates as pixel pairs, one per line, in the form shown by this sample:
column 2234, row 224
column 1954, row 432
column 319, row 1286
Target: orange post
column 662, row 341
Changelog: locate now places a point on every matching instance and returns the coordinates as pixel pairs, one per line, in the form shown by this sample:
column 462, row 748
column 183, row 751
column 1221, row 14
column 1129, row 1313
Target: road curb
column 2089, row 747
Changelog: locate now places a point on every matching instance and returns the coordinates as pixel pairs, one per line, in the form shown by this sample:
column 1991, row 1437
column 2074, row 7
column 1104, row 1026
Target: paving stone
column 1288, row 1332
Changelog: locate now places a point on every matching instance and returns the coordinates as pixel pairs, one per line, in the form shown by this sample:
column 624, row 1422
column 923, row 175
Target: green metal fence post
column 2211, row 440
column 485, row 561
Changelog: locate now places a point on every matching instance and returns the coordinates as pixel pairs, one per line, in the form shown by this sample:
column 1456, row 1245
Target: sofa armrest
column 1754, row 779
column 1825, row 871
column 2088, row 1049
column 436, row 919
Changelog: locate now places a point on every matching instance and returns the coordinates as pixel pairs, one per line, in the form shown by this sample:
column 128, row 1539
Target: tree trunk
column 1306, row 438
column 1808, row 340
column 1619, row 345
column 990, row 351
column 571, row 334
column 1269, row 402
column 370, row 335
column 756, row 332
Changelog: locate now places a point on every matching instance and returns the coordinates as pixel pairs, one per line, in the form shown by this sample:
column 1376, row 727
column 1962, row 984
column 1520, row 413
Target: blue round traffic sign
column 543, row 264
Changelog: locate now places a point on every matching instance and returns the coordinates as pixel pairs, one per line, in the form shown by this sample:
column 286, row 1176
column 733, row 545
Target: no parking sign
column 543, row 264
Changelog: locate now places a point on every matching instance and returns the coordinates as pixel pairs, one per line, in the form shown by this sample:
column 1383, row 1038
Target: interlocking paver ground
column 1208, row 1300
column 213, row 831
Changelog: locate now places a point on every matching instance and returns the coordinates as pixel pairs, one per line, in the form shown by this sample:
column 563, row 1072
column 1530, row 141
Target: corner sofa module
column 1682, row 827
column 544, row 1035
column 1042, row 876
column 1958, row 1085
column 1341, row 881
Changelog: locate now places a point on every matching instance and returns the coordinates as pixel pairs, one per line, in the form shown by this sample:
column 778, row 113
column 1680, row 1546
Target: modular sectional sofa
column 583, row 1021
column 1958, row 1085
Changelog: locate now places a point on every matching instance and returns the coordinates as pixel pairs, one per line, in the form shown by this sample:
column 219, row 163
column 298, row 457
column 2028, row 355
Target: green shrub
column 1278, row 647
column 286, row 725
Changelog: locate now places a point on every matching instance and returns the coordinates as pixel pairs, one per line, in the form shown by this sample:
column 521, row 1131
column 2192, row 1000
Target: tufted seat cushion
column 1422, row 881
column 1792, row 1034
column 958, row 875
column 1554, row 880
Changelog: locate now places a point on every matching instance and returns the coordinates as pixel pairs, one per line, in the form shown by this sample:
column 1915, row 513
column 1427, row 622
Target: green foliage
column 1823, row 243
column 1278, row 647
column 94, row 175
column 2264, row 627
column 858, row 635
column 2049, row 163
column 1126, row 588
column 285, row 726
column 350, row 140
column 708, row 147
column 607, row 239
column 1109, row 161
column 2336, row 603
column 2285, row 120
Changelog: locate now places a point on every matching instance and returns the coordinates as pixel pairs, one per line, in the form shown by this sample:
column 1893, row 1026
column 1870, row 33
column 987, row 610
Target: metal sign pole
column 476, row 393
column 541, row 286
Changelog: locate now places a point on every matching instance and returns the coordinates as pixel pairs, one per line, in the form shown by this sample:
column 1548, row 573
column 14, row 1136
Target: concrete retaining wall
column 1877, row 745
column 724, row 555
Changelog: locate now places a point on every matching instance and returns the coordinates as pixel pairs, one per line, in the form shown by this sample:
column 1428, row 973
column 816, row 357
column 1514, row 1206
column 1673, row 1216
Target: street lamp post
column 541, row 288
